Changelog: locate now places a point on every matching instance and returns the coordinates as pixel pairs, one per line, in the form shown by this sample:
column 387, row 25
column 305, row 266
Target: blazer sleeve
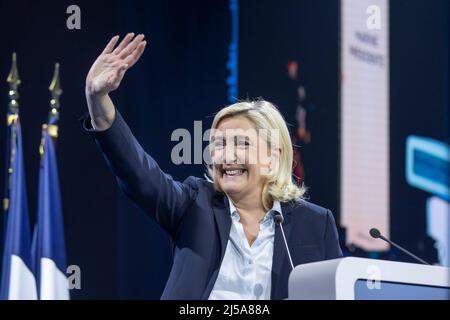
column 140, row 177
column 332, row 247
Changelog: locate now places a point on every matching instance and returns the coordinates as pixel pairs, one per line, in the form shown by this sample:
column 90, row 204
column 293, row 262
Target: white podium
column 368, row 279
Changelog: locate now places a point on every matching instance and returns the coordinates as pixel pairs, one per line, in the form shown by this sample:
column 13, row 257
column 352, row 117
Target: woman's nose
column 230, row 154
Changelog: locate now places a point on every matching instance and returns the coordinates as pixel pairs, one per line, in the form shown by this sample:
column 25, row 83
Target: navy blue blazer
column 198, row 220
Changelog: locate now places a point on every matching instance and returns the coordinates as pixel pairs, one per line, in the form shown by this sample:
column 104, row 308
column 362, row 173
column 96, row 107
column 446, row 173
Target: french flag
column 48, row 249
column 17, row 279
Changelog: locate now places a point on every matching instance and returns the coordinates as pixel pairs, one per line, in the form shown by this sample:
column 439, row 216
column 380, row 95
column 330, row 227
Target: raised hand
column 108, row 70
column 106, row 74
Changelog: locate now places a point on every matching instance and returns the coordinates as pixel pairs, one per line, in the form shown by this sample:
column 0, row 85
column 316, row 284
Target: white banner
column 364, row 182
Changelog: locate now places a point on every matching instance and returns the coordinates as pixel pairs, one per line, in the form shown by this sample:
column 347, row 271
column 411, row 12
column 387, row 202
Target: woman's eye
column 218, row 145
column 243, row 143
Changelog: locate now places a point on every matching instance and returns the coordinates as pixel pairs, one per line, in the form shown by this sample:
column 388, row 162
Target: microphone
column 375, row 233
column 278, row 218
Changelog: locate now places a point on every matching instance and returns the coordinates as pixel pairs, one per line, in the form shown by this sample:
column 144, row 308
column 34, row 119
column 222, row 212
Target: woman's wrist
column 101, row 110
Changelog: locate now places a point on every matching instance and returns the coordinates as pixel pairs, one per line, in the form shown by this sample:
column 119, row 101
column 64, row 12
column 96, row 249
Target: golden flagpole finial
column 13, row 77
column 14, row 82
column 55, row 88
column 56, row 92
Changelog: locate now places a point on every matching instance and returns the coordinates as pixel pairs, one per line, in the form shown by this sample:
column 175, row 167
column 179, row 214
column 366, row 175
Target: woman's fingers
column 131, row 46
column 124, row 43
column 110, row 46
column 136, row 54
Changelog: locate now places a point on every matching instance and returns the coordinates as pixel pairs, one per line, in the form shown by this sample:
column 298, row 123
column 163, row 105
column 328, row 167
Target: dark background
column 181, row 78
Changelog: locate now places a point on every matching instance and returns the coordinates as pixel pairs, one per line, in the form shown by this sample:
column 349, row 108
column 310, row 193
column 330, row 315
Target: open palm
column 108, row 70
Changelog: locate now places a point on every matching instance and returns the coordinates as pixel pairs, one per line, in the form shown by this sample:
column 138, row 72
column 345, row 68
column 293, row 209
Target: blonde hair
column 279, row 185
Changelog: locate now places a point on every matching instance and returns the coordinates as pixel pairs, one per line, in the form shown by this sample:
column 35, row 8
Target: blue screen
column 399, row 291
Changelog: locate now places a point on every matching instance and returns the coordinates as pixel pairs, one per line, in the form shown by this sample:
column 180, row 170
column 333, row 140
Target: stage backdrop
column 288, row 54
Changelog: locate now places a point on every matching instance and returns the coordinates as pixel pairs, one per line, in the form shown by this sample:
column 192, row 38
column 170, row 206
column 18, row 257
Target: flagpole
column 48, row 248
column 17, row 279
column 12, row 117
column 56, row 92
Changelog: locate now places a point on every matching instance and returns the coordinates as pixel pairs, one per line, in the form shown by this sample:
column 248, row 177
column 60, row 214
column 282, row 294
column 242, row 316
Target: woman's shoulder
column 198, row 182
column 201, row 185
column 205, row 190
column 305, row 207
column 305, row 214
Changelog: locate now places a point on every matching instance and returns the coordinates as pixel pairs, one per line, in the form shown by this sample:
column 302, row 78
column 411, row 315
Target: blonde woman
column 226, row 229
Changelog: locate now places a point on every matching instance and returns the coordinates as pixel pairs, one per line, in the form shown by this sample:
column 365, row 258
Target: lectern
column 368, row 279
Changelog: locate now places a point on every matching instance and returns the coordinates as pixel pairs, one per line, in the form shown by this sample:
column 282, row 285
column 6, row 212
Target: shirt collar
column 276, row 207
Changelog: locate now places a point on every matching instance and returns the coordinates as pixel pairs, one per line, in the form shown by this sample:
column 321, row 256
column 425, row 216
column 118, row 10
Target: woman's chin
column 232, row 187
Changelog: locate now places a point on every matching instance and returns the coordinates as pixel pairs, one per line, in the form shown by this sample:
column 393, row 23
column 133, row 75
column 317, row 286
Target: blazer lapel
column 222, row 220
